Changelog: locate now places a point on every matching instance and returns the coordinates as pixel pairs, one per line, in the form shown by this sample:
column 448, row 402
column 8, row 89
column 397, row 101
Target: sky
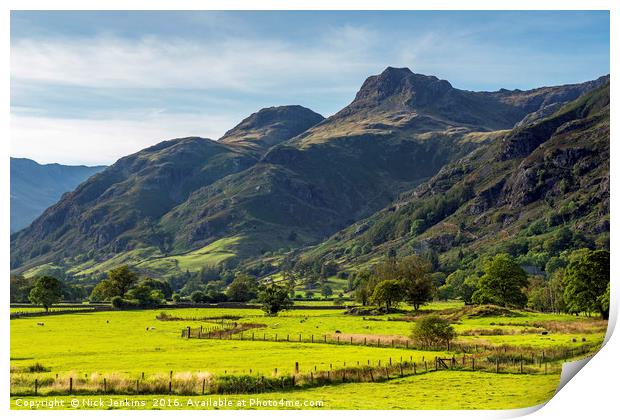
column 91, row 87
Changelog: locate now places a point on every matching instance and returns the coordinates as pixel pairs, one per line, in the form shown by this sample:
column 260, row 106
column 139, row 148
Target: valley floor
column 127, row 347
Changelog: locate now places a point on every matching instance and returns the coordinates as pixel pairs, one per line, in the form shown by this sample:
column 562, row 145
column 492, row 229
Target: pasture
column 136, row 344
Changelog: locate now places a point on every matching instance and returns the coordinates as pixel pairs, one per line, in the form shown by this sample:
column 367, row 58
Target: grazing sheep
column 40, row 324
column 338, row 332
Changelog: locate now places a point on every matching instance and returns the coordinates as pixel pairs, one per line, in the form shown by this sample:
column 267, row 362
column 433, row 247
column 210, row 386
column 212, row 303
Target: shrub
column 117, row 302
column 432, row 332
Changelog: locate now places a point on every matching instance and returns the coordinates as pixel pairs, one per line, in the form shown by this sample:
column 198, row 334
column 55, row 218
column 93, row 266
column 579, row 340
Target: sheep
column 40, row 324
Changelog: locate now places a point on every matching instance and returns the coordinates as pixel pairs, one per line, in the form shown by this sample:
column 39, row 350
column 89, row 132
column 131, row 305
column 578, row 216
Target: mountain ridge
column 228, row 201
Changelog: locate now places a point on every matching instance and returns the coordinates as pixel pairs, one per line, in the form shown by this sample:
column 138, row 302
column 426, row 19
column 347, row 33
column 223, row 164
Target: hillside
column 283, row 179
column 35, row 187
column 543, row 187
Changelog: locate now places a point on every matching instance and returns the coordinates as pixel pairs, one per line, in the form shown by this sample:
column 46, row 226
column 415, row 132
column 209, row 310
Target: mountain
column 543, row 187
column 35, row 187
column 118, row 210
column 283, row 179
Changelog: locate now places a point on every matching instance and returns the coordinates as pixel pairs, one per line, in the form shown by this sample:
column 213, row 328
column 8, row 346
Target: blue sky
column 91, row 87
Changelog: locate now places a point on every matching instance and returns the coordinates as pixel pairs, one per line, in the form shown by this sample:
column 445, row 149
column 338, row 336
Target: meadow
column 142, row 344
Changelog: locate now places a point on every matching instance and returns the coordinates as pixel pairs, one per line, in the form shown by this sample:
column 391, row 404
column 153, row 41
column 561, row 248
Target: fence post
column 407, row 344
column 142, row 375
column 311, row 377
column 497, row 364
column 204, row 381
column 521, row 366
column 137, row 385
column 387, row 373
column 325, row 338
column 252, row 336
column 338, row 338
column 364, row 340
column 425, row 367
column 351, row 339
column 414, row 369
column 189, row 332
column 296, row 367
column 36, row 386
column 401, row 369
column 312, row 338
column 70, row 385
column 105, row 386
column 300, row 338
column 472, row 364
column 276, row 337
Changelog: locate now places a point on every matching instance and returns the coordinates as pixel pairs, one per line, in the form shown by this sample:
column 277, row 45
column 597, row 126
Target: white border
column 592, row 394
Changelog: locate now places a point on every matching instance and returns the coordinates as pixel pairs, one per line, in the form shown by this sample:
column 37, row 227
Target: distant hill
column 285, row 178
column 35, row 187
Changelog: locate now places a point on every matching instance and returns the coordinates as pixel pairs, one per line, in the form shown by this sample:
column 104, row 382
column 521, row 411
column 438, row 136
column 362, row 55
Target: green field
column 118, row 344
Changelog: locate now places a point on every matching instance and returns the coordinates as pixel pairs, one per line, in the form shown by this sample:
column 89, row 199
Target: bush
column 176, row 298
column 432, row 332
column 198, row 297
column 117, row 302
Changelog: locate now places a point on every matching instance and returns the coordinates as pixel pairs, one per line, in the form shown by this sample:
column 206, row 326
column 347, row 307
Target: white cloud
column 103, row 141
column 238, row 64
column 223, row 67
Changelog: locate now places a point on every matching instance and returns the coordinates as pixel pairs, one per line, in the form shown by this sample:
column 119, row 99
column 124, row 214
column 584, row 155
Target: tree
column 142, row 295
column 161, row 285
column 118, row 283
column 46, row 292
column 122, row 279
column 388, row 293
column 586, row 278
column 414, row 273
column 274, row 298
column 502, row 283
column 242, row 289
column 198, row 297
column 20, row 288
column 326, row 290
column 364, row 286
column 433, row 331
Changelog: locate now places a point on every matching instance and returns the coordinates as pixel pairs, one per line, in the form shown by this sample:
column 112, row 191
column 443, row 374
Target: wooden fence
column 254, row 382
column 239, row 331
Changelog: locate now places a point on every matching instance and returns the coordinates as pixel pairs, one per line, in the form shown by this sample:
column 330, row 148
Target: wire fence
column 240, row 331
column 254, row 382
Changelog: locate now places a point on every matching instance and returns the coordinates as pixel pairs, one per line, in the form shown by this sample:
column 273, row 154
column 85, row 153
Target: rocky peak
column 400, row 86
